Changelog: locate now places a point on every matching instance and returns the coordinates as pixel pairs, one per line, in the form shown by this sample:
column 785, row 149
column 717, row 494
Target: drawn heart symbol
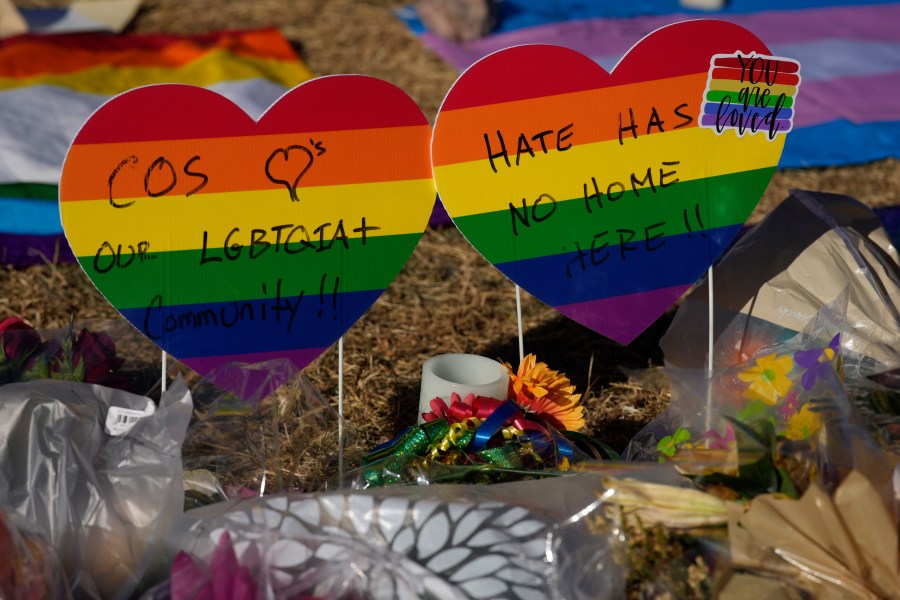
column 599, row 193
column 183, row 211
column 305, row 162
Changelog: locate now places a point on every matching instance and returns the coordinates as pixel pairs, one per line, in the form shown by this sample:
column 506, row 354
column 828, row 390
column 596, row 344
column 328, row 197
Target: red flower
column 94, row 356
column 89, row 357
column 461, row 409
column 19, row 339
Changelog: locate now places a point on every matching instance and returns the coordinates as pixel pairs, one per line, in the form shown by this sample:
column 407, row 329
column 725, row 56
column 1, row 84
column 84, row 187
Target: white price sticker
column 119, row 421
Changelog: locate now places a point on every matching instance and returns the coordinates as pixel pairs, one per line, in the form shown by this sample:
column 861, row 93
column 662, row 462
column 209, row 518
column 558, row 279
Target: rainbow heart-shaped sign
column 607, row 196
column 228, row 241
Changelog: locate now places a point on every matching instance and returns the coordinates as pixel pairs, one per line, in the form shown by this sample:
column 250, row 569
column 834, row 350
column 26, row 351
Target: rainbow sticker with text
column 751, row 93
column 233, row 242
column 600, row 193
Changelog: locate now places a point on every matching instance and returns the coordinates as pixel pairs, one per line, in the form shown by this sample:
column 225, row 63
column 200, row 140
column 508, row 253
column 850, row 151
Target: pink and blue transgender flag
column 847, row 111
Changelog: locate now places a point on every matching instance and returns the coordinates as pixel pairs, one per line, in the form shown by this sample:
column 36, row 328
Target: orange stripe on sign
column 217, row 165
column 580, row 111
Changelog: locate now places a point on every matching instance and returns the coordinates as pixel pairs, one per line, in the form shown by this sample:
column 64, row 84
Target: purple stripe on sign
column 855, row 99
column 614, row 37
column 638, row 312
column 252, row 377
column 712, row 108
column 783, row 125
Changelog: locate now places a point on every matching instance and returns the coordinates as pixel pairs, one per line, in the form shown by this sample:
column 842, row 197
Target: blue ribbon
column 492, row 425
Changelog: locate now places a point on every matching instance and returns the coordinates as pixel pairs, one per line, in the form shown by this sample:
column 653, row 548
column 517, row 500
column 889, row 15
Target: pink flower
column 716, row 441
column 227, row 579
column 789, row 407
column 438, row 408
column 461, row 409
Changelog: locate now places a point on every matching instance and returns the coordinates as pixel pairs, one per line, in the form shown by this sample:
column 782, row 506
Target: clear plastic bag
column 517, row 540
column 776, row 421
column 29, row 567
column 95, row 470
column 775, row 279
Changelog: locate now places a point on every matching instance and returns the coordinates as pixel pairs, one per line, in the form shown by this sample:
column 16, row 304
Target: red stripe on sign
column 523, row 73
column 783, row 65
column 183, row 112
column 762, row 78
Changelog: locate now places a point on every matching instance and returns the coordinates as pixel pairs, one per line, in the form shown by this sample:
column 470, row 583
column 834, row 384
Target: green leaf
column 787, row 486
column 681, row 435
column 754, row 410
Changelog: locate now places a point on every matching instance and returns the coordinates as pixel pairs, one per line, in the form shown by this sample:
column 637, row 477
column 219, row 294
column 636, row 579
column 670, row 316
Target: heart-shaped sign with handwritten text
column 228, row 241
column 607, row 196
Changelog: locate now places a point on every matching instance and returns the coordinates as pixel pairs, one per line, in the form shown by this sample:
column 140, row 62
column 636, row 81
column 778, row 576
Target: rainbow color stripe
column 751, row 94
column 615, row 256
column 225, row 267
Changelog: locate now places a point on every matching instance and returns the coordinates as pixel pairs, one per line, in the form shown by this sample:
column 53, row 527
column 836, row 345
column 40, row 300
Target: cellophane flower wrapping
column 527, row 539
column 789, row 422
column 775, row 420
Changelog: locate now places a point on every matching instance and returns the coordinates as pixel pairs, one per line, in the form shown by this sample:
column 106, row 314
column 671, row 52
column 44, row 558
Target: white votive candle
column 464, row 374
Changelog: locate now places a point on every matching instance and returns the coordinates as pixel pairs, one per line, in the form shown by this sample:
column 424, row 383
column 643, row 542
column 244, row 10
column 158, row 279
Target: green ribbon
column 388, row 460
column 507, row 456
column 415, row 440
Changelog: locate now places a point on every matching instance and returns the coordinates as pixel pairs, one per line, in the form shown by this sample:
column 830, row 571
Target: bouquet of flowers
column 788, row 480
column 74, row 355
column 533, row 431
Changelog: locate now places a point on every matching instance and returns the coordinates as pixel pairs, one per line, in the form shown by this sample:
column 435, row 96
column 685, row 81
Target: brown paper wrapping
column 845, row 546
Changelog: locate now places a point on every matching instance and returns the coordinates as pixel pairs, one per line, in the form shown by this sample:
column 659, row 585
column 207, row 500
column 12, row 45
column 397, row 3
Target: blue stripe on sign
column 574, row 277
column 257, row 325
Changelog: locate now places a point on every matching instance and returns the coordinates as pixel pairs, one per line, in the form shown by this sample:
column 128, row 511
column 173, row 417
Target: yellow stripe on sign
column 473, row 188
column 178, row 222
column 214, row 67
column 729, row 85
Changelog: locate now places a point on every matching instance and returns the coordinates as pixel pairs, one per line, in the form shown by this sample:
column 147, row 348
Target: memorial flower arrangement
column 534, row 430
column 770, row 412
column 787, row 454
column 84, row 355
column 686, row 543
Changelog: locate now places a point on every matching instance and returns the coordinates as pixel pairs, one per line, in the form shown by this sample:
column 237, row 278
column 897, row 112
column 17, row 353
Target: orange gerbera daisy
column 547, row 393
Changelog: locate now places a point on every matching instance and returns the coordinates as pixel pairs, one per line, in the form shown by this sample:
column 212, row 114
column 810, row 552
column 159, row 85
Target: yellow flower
column 547, row 393
column 768, row 378
column 803, row 424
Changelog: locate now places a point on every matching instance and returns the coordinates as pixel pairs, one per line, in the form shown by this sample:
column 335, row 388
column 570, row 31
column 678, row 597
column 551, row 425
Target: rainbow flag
column 49, row 86
column 228, row 241
column 847, row 112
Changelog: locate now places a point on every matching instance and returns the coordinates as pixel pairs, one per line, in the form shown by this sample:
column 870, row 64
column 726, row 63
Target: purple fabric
column 25, row 250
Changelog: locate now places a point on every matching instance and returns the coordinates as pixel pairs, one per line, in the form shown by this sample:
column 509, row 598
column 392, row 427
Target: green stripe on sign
column 181, row 279
column 545, row 228
column 718, row 96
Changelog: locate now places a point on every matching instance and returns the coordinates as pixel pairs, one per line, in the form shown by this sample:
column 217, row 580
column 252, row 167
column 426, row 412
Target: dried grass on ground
column 446, row 299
